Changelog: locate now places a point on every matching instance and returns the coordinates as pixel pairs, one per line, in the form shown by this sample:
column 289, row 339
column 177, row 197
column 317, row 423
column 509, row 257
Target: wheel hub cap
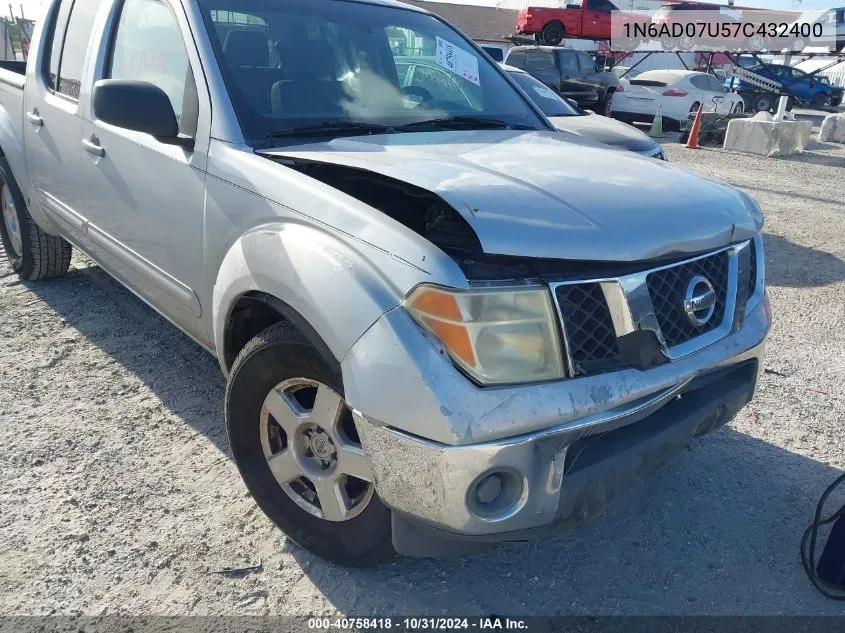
column 313, row 451
column 322, row 446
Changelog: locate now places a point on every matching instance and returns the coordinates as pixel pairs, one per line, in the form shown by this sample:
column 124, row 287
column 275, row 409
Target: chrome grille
column 668, row 288
column 590, row 335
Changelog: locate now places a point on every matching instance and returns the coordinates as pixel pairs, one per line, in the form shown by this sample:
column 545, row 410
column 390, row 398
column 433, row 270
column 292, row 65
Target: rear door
column 147, row 197
column 53, row 126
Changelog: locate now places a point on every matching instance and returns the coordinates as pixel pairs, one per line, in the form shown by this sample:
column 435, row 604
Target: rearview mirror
column 139, row 106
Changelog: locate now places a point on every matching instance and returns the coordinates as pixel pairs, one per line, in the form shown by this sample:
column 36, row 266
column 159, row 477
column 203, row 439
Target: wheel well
column 254, row 312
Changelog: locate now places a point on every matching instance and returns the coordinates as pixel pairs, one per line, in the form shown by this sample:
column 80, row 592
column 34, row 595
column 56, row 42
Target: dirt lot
column 118, row 494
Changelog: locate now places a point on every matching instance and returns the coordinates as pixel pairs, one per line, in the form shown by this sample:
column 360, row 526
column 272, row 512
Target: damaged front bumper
column 462, row 466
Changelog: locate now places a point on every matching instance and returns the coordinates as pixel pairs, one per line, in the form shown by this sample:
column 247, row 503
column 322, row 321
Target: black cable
column 808, row 557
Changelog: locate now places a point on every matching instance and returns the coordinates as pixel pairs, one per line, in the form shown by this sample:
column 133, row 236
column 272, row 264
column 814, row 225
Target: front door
column 52, row 125
column 148, row 196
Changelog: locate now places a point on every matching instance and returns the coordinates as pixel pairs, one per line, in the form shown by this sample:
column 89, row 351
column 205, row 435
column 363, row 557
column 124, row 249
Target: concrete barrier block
column 768, row 138
column 833, row 129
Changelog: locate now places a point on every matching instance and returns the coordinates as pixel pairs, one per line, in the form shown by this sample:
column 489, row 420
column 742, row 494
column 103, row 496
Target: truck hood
column 545, row 195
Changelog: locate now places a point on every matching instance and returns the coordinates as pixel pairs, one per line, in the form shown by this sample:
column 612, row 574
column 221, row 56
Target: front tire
column 32, row 253
column 606, row 108
column 297, row 449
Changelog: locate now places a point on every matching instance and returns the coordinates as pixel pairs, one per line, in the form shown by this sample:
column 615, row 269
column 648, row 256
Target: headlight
column 497, row 336
column 754, row 210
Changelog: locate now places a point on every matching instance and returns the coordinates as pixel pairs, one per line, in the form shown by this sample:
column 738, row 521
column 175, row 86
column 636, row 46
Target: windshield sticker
column 544, row 92
column 458, row 61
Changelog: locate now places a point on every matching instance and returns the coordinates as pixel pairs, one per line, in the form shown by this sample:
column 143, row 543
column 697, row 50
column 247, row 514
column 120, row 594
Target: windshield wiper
column 466, row 123
column 333, row 129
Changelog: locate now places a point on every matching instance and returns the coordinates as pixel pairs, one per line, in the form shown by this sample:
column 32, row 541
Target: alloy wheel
column 313, row 450
column 10, row 220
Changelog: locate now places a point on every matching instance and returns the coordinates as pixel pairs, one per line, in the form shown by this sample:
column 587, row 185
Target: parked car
column 806, row 89
column 589, row 20
column 497, row 52
column 718, row 34
column 423, row 80
column 815, row 28
column 442, row 324
column 568, row 117
column 836, row 93
column 678, row 93
column 574, row 74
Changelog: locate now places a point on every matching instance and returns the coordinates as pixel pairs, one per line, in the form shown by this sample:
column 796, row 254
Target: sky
column 33, row 7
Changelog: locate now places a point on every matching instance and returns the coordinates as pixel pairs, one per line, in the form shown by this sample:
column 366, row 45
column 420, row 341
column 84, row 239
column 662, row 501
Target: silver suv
column 443, row 324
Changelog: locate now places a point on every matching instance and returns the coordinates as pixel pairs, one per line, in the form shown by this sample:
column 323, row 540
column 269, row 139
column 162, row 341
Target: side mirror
column 139, row 106
column 573, row 103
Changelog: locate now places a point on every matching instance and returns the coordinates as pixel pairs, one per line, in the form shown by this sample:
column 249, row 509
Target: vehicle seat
column 247, row 52
column 310, row 85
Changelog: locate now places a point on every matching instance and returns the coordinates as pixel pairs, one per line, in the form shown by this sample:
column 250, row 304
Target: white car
column 678, row 92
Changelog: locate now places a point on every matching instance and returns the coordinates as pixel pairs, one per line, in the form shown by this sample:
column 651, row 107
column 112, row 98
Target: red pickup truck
column 589, row 20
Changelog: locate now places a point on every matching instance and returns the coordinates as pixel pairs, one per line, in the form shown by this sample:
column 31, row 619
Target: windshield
column 297, row 67
column 550, row 102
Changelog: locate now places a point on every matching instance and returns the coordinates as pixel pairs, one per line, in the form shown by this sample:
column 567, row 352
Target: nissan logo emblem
column 700, row 301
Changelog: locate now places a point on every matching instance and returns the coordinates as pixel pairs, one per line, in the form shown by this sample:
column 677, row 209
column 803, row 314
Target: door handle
column 92, row 147
column 34, row 118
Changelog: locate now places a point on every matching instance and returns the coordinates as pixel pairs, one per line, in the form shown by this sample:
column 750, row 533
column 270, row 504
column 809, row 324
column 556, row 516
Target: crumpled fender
column 340, row 287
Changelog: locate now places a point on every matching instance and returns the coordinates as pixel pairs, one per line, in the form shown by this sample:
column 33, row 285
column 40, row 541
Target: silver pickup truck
column 442, row 323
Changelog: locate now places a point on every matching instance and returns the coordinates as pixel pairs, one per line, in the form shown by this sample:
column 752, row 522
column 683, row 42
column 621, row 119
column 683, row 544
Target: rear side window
column 517, row 59
column 68, row 41
column 77, row 37
column 148, row 46
column 539, row 59
column 700, row 82
column 56, row 37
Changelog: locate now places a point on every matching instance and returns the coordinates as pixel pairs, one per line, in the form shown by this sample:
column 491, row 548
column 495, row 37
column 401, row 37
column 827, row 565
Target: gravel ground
column 119, row 495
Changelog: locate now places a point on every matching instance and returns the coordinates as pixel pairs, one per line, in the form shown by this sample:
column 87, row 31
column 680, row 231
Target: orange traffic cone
column 695, row 132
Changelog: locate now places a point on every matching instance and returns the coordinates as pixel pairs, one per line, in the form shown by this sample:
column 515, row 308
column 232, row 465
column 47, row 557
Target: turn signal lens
column 498, row 336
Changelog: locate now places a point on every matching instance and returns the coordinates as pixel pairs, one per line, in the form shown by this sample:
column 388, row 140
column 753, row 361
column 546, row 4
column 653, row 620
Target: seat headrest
column 247, row 47
column 303, row 58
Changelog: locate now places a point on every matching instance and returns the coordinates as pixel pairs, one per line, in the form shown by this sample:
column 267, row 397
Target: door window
column 536, row 60
column 73, row 27
column 587, row 63
column 55, row 37
column 714, row 84
column 568, row 62
column 148, row 46
column 605, row 6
